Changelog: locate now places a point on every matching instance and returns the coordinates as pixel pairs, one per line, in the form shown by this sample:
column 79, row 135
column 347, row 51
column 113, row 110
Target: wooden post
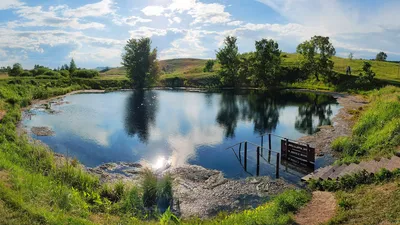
column 258, row 160
column 262, row 144
column 245, row 156
column 277, row 166
column 287, row 148
column 240, row 153
column 269, row 142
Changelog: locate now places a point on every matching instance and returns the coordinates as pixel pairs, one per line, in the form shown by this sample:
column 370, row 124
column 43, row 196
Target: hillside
column 193, row 68
column 170, row 68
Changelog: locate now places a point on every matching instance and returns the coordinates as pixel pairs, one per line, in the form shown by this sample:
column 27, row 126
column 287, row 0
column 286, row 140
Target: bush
column 64, row 73
column 52, row 73
column 85, row 73
column 26, row 74
column 149, row 186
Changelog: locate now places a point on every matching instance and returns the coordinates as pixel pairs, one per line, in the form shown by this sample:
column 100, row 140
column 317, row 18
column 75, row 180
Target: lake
column 180, row 127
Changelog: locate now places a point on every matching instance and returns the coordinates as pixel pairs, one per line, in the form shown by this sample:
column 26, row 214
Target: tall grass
column 377, row 132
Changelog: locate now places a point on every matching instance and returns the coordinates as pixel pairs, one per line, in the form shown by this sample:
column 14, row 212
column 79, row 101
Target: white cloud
column 131, row 21
column 101, row 8
column 235, row 23
column 345, row 22
column 153, row 10
column 7, row 4
column 209, row 14
column 202, row 13
column 147, row 32
column 175, row 20
column 190, row 45
column 37, row 17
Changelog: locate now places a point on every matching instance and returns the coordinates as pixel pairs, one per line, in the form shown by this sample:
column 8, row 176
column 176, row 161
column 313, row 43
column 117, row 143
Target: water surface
column 183, row 127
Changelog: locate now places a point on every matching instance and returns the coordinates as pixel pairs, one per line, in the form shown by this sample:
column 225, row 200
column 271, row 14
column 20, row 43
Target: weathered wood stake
column 258, row 161
column 277, row 165
column 245, row 156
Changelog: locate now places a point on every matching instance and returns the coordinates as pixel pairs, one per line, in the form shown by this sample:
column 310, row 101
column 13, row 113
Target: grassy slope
column 184, row 68
column 369, row 204
column 384, row 70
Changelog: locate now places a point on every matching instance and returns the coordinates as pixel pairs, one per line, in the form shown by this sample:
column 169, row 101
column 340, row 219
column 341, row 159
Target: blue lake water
column 179, row 126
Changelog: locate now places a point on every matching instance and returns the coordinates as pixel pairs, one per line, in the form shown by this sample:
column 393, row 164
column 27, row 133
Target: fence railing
column 259, row 155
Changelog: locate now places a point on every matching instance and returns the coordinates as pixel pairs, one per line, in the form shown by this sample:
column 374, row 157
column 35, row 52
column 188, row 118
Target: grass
column 3, row 76
column 387, row 71
column 369, row 204
column 376, row 134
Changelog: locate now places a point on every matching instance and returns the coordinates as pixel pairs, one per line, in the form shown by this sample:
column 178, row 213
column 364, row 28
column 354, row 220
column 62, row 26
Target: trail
column 320, row 209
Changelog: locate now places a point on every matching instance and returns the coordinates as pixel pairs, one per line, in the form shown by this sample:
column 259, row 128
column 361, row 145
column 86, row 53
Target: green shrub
column 164, row 192
column 85, row 73
column 149, row 186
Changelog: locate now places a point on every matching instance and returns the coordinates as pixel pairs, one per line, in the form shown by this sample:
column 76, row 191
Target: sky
column 94, row 32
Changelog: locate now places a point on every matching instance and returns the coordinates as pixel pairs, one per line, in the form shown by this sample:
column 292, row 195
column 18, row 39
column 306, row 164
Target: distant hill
column 169, row 67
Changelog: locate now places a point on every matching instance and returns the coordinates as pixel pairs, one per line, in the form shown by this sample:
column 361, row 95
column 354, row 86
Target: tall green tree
column 267, row 63
column 381, row 56
column 72, row 66
column 16, row 70
column 209, row 66
column 317, row 55
column 228, row 57
column 141, row 62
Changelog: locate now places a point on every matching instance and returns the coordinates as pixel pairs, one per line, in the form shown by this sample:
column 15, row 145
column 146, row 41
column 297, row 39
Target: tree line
column 261, row 68
column 65, row 71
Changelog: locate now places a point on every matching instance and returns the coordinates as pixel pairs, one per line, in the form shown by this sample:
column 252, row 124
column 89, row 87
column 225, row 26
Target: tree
column 267, row 63
column 228, row 57
column 381, row 56
column 140, row 62
column 66, row 67
column 351, row 55
column 16, row 70
column 209, row 66
column 317, row 55
column 367, row 77
column 72, row 66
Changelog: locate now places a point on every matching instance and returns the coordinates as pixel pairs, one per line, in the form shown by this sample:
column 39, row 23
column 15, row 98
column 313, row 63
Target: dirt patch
column 5, row 178
column 204, row 193
column 2, row 114
column 42, row 131
column 342, row 123
column 320, row 209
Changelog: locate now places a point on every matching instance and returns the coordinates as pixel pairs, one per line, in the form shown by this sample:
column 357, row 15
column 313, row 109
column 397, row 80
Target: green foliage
column 16, row 70
column 169, row 218
column 72, row 66
column 367, row 78
column 228, row 57
column 317, row 54
column 381, row 56
column 149, row 186
column 377, row 131
column 141, row 62
column 266, row 64
column 275, row 212
column 209, row 66
column 351, row 181
column 85, row 73
column 164, row 192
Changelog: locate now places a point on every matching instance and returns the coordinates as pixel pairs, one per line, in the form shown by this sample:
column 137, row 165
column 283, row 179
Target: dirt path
column 320, row 209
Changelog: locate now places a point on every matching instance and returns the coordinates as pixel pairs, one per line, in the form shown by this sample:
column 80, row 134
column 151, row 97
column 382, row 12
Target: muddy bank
column 204, row 193
column 342, row 123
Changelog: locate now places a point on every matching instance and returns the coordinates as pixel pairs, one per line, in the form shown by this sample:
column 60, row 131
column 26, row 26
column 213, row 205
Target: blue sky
column 94, row 32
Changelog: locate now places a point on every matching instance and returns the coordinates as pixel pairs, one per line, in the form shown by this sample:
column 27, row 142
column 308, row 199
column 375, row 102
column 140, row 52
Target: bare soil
column 320, row 209
column 2, row 114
